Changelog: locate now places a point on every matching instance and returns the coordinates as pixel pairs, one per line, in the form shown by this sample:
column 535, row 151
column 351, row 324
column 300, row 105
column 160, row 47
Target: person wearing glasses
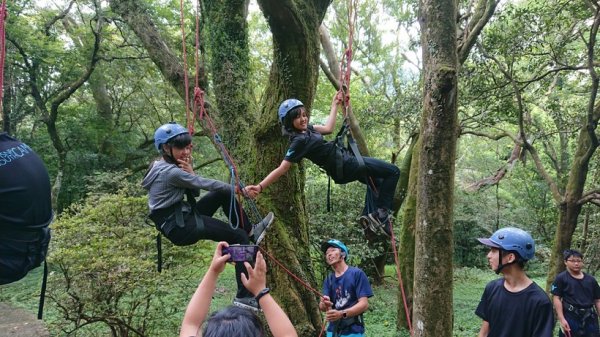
column 576, row 297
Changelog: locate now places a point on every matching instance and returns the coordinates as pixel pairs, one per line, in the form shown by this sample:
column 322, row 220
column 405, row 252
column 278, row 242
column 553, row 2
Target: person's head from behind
column 292, row 116
column 233, row 322
column 509, row 246
column 173, row 141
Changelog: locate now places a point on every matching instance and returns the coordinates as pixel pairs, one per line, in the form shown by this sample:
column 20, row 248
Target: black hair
column 180, row 141
column 233, row 322
column 567, row 253
column 287, row 125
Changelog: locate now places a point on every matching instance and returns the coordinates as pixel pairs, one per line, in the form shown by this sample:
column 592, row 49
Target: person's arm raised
column 197, row 309
column 279, row 323
column 328, row 127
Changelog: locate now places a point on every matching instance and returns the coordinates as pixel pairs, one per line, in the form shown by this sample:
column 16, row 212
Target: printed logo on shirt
column 289, row 153
column 9, row 155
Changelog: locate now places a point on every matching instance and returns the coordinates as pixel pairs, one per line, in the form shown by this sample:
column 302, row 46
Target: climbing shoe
column 383, row 225
column 260, row 229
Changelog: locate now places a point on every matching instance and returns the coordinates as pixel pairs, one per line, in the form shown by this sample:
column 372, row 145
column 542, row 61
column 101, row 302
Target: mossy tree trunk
column 432, row 308
column 471, row 27
column 406, row 247
column 295, row 29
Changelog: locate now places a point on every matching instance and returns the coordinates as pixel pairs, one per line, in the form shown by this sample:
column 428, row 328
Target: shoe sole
column 270, row 217
column 376, row 226
column 247, row 307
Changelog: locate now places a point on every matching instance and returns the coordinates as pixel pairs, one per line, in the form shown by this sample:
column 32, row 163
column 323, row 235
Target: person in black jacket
column 25, row 209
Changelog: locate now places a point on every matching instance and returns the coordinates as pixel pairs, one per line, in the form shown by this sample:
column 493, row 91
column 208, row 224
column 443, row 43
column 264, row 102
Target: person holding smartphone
column 233, row 321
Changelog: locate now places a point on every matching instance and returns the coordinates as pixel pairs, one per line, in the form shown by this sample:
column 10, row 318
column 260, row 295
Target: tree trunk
column 295, row 29
column 570, row 208
column 406, row 250
column 435, row 183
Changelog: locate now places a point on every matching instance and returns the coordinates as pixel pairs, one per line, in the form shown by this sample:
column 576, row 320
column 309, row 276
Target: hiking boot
column 384, row 225
column 260, row 229
column 249, row 303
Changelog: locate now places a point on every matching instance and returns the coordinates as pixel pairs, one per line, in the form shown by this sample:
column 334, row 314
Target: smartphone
column 241, row 253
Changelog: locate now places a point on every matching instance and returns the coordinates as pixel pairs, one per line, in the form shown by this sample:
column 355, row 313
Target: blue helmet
column 166, row 132
column 512, row 239
column 286, row 106
column 337, row 244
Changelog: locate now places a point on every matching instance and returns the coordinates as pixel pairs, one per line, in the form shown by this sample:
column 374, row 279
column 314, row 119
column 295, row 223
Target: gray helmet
column 286, row 107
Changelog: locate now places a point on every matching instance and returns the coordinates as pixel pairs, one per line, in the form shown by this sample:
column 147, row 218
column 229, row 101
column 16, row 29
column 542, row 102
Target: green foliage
column 105, row 276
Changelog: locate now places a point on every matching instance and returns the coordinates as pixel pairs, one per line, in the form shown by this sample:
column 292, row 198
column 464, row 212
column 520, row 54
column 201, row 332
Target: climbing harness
column 352, row 147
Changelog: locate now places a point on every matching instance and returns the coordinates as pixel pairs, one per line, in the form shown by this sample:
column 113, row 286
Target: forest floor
column 380, row 320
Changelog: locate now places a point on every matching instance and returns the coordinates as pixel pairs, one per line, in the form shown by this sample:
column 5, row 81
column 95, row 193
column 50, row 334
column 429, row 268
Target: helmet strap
column 168, row 155
column 502, row 265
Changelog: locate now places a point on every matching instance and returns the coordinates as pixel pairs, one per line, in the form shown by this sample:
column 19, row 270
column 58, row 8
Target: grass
column 380, row 320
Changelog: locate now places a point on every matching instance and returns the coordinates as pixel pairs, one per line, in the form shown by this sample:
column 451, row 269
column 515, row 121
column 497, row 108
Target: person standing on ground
column 576, row 297
column 346, row 293
column 25, row 209
column 514, row 305
column 233, row 321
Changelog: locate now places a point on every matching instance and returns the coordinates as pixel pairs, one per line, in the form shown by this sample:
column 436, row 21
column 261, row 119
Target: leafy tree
column 105, row 280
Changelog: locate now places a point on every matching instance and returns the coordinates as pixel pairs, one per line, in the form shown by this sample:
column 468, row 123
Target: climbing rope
column 198, row 112
column 298, row 279
column 345, row 75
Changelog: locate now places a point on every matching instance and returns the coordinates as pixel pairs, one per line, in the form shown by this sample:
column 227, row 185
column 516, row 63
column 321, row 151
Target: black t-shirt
column 312, row 146
column 527, row 313
column 579, row 292
column 24, row 186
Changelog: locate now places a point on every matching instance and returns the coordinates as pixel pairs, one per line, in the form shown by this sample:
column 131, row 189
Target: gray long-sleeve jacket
column 166, row 184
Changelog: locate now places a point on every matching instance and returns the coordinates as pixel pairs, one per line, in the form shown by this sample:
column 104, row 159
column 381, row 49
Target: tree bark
column 295, row 29
column 435, row 183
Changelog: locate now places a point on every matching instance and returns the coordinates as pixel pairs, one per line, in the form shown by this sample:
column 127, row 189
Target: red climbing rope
column 302, row 282
column 345, row 74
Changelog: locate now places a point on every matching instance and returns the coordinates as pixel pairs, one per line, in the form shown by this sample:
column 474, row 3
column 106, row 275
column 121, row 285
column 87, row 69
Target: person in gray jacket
column 185, row 222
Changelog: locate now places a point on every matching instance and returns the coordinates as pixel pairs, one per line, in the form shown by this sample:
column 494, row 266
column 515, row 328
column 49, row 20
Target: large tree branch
column 134, row 13
column 591, row 197
column 483, row 13
column 521, row 111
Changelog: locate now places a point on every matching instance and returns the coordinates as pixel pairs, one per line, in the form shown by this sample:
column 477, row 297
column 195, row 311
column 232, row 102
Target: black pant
column 216, row 230
column 383, row 175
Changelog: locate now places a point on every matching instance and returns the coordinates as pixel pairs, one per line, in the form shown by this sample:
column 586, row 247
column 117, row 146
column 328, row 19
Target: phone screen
column 241, row 253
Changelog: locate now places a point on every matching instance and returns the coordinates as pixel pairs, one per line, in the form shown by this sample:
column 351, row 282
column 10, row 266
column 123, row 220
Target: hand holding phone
column 241, row 253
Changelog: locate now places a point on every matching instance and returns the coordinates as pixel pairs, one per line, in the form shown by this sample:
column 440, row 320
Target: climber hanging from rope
column 342, row 164
column 306, row 141
column 186, row 222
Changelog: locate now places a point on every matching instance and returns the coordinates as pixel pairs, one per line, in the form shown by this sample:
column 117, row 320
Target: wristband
column 344, row 314
column 261, row 294
column 261, row 188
